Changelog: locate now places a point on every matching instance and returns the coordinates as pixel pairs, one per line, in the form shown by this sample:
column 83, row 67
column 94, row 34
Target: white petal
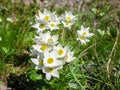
column 54, row 54
column 58, row 63
column 36, row 25
column 48, row 76
column 55, row 37
column 55, row 73
column 38, row 68
column 46, row 54
column 35, row 61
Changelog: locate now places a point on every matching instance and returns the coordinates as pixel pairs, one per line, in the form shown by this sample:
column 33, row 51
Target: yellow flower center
column 42, row 26
column 67, row 23
column 60, row 52
column 47, row 18
column 49, row 69
column 44, row 47
column 68, row 18
column 82, row 38
column 84, row 33
column 41, row 62
column 49, row 40
column 50, row 60
column 52, row 24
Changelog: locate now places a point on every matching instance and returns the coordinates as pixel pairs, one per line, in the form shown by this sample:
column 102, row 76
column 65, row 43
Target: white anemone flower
column 50, row 59
column 50, row 39
column 84, row 32
column 46, row 38
column 42, row 48
column 46, row 15
column 51, row 71
column 41, row 25
column 68, row 16
column 43, row 16
column 69, row 57
column 53, row 25
column 83, row 39
column 38, row 61
column 67, row 24
column 61, row 51
column 45, row 41
column 54, row 22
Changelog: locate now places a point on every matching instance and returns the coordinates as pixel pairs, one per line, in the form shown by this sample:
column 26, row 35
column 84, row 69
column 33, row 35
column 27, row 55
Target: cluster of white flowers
column 50, row 54
column 68, row 19
column 50, row 20
column 84, row 34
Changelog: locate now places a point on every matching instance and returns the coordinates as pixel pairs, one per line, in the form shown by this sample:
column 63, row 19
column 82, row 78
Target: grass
column 97, row 64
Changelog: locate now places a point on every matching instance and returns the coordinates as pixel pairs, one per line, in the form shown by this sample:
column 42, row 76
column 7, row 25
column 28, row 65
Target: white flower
column 61, row 51
column 67, row 24
column 41, row 25
column 68, row 16
column 46, row 15
column 69, row 57
column 50, row 59
column 84, row 32
column 46, row 38
column 51, row 71
column 42, row 48
column 83, row 39
column 53, row 25
column 38, row 61
column 40, row 16
column 50, row 39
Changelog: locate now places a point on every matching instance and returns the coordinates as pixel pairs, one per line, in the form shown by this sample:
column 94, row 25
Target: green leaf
column 94, row 10
column 35, row 77
column 2, row 83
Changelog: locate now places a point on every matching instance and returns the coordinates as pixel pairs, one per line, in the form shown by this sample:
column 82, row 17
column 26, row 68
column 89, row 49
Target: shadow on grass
column 23, row 82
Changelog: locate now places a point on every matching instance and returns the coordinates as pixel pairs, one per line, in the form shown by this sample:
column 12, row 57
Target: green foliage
column 2, row 83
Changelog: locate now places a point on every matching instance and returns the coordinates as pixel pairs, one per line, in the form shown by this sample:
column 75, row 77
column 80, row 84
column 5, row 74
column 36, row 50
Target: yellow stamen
column 42, row 26
column 41, row 62
column 47, row 18
column 49, row 69
column 50, row 60
column 49, row 40
column 44, row 47
column 52, row 24
column 82, row 38
column 84, row 33
column 60, row 52
column 68, row 18
column 67, row 23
